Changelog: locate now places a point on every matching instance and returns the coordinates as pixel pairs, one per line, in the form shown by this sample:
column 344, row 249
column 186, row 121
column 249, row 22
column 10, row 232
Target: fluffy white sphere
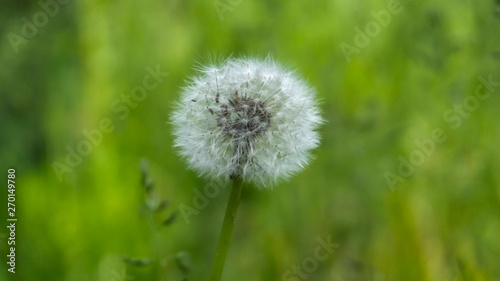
column 246, row 118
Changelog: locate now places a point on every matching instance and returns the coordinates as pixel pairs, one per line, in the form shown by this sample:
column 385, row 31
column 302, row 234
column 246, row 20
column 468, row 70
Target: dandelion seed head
column 246, row 118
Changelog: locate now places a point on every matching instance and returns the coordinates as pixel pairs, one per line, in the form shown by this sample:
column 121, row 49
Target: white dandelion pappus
column 246, row 118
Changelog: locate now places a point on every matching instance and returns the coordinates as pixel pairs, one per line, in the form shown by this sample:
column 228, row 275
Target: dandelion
column 248, row 120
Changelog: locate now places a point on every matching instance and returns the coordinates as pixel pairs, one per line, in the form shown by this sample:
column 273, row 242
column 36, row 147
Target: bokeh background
column 440, row 223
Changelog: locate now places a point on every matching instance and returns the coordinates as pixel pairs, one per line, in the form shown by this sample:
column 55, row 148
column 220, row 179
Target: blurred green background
column 440, row 223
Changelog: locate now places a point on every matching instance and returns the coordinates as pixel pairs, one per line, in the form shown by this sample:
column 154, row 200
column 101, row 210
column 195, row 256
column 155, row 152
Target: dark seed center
column 243, row 118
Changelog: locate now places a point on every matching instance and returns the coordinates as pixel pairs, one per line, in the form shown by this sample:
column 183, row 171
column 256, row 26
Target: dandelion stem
column 226, row 230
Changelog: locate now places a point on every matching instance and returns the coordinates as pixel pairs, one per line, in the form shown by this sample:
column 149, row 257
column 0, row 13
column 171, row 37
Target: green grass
column 441, row 223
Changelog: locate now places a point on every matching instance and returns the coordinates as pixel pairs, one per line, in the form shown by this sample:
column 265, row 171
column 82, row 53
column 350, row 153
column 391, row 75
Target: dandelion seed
column 253, row 119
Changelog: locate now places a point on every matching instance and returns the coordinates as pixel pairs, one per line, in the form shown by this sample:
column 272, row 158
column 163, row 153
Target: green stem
column 226, row 230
